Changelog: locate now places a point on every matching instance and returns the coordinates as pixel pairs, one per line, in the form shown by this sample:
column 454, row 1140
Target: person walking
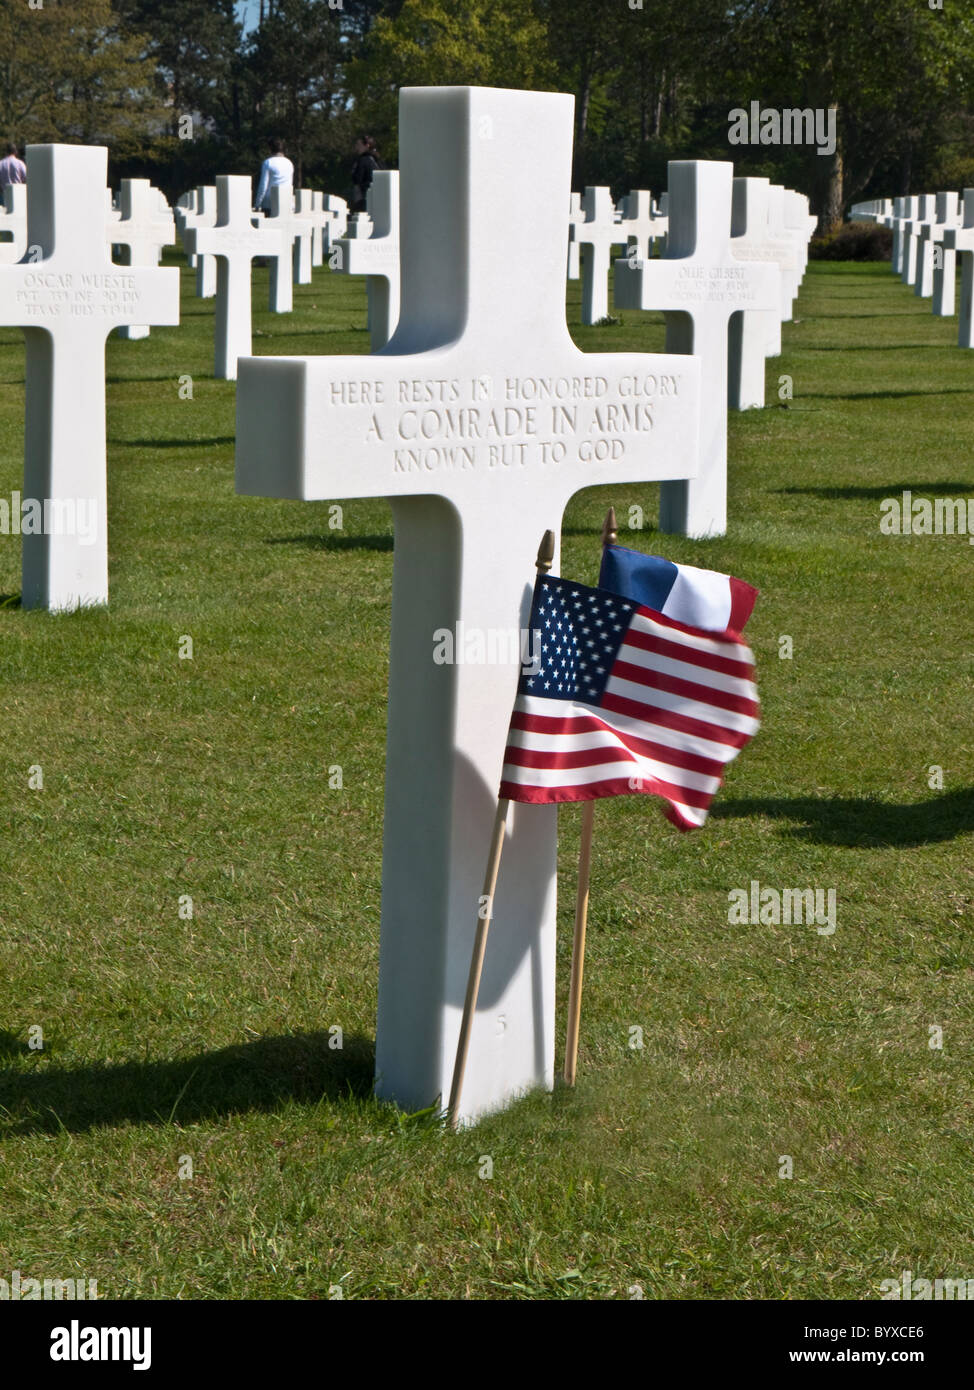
column 366, row 162
column 276, row 169
column 12, row 168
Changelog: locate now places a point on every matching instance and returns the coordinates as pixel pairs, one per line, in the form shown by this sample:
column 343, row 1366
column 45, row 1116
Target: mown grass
column 209, row 1037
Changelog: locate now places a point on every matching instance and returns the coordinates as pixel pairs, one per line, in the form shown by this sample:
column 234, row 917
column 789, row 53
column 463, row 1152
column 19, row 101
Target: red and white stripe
column 679, row 705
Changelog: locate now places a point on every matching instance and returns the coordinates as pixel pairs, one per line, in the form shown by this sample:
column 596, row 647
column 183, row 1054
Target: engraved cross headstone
column 201, row 214
column 596, row 237
column 479, row 419
column 142, row 231
column 67, row 302
column 13, row 222
column 700, row 284
column 960, row 240
column 754, row 336
column 235, row 240
column 377, row 256
column 942, row 259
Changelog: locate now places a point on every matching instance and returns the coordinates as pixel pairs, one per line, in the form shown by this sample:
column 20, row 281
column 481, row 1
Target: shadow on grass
column 942, row 489
column 884, row 395
column 10, row 601
column 333, row 542
column 862, row 822
column 171, row 377
column 251, row 1076
column 871, row 347
column 183, row 443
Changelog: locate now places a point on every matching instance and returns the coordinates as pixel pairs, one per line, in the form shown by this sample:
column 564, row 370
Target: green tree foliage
column 652, row 81
column 428, row 43
column 73, row 71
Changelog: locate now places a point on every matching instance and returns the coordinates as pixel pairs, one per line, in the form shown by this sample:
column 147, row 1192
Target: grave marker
column 377, row 255
column 14, row 222
column 754, row 335
column 335, row 222
column 67, row 303
column 202, row 214
column 642, row 225
column 924, row 211
column 141, row 232
column 960, row 240
column 235, row 239
column 280, row 295
column 782, row 230
column 575, row 214
column 942, row 263
column 596, row 237
column 480, row 419
column 700, row 284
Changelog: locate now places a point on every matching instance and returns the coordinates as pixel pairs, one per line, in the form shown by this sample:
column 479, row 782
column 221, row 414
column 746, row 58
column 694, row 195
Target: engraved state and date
column 52, row 294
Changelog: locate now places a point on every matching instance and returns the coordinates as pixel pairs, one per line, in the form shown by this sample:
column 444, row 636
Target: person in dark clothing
column 366, row 162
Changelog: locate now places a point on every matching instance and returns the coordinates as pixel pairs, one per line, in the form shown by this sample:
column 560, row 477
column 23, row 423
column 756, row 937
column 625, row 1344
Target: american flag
column 625, row 700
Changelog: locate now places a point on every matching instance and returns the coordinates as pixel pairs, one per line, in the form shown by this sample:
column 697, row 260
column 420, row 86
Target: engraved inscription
column 428, row 425
column 714, row 285
column 49, row 294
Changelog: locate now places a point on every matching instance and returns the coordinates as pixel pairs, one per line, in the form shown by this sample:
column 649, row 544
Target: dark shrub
column 856, row 241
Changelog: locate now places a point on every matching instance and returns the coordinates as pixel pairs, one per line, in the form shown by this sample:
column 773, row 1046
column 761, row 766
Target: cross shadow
column 333, row 542
column 872, row 347
column 174, row 443
column 862, row 822
column 892, row 314
column 941, row 489
column 171, row 377
column 250, row 1076
column 883, row 395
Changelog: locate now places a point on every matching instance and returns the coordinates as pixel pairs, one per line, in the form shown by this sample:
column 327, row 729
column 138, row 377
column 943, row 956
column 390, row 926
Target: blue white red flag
column 627, row 697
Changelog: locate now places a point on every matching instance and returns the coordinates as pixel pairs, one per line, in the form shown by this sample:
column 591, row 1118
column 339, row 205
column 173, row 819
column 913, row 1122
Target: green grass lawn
column 208, row 1037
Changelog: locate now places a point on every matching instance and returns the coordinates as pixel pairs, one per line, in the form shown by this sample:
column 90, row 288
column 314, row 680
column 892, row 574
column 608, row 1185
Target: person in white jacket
column 275, row 170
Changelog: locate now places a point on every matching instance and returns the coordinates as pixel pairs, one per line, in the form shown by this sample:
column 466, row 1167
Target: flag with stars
column 621, row 698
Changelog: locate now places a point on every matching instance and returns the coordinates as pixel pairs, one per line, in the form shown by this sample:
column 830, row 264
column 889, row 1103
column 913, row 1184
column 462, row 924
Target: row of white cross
column 930, row 230
column 479, row 418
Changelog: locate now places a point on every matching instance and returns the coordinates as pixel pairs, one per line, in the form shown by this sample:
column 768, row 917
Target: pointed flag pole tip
column 609, row 531
column 546, row 552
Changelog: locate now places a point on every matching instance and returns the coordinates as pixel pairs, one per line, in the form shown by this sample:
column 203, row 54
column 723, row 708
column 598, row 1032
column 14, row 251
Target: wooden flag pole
column 581, row 895
column 485, row 908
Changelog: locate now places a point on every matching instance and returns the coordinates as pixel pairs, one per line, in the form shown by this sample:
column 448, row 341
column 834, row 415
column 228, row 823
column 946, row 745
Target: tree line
column 179, row 91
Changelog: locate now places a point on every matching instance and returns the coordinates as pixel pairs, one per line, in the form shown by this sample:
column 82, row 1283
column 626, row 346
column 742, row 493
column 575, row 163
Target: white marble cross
column 306, row 249
column 924, row 212
column 280, row 285
column 782, row 230
column 377, row 255
column 642, row 225
column 596, row 237
column 754, row 335
column 13, row 220
column 904, row 210
column 929, row 234
column 334, row 222
column 67, row 302
column 803, row 224
column 700, row 284
column 937, row 262
column 575, row 214
column 142, row 231
column 235, row 239
column 960, row 241
column 201, row 214
column 480, row 419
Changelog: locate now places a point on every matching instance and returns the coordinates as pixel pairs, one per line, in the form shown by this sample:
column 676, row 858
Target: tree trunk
column 834, row 210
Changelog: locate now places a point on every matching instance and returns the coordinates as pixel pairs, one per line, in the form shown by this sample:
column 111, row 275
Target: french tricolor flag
column 700, row 598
